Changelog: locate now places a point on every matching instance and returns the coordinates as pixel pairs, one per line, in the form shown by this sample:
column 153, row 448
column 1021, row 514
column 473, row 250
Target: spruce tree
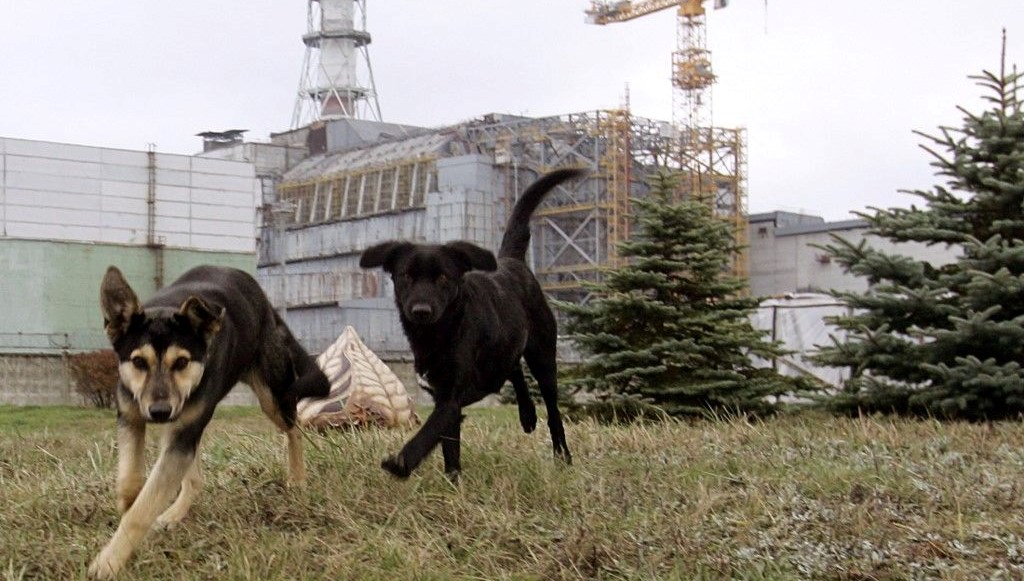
column 670, row 329
column 945, row 341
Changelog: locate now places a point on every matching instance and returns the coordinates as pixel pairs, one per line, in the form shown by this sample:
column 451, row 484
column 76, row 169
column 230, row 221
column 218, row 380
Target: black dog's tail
column 517, row 233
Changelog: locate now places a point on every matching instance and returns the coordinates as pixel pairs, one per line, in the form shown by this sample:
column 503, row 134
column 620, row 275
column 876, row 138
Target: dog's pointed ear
column 118, row 303
column 201, row 316
column 384, row 254
column 470, row 256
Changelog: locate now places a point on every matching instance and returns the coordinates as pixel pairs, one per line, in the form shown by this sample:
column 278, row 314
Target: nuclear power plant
column 300, row 207
column 361, row 180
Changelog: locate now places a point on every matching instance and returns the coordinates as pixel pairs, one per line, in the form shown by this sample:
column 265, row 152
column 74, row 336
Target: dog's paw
column 453, row 476
column 104, row 566
column 564, row 455
column 396, row 466
column 528, row 420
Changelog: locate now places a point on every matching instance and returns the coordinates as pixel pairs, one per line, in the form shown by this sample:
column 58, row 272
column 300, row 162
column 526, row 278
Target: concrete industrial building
column 366, row 181
column 785, row 257
column 69, row 211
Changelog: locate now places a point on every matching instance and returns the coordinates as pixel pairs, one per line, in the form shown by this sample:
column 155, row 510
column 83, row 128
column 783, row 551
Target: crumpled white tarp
column 364, row 390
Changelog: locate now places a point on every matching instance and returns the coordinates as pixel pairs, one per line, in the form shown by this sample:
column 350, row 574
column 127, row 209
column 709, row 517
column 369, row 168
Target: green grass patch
column 792, row 497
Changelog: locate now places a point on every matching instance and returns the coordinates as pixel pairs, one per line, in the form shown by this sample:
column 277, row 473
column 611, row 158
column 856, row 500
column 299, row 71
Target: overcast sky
column 828, row 91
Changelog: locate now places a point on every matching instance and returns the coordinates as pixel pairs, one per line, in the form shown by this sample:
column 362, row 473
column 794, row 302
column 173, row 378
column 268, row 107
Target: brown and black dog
column 179, row 354
column 470, row 318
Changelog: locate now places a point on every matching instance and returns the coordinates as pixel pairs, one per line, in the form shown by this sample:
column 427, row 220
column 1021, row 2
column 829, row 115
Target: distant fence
column 799, row 322
column 51, row 343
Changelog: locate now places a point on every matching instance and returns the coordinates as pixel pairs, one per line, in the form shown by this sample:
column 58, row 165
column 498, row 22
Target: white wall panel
column 124, row 157
column 122, row 236
column 172, row 209
column 175, row 162
column 223, row 242
column 225, row 199
column 50, row 231
column 78, row 193
column 53, row 166
column 126, row 173
column 172, row 193
column 204, row 165
column 168, row 224
column 53, row 183
column 166, row 177
column 53, row 150
column 45, row 199
column 223, row 228
column 225, row 183
column 56, row 216
column 136, row 206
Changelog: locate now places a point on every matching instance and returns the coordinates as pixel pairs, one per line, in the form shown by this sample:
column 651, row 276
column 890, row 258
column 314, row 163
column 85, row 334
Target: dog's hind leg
column 190, row 487
column 159, row 490
column 543, row 367
column 527, row 411
column 284, row 419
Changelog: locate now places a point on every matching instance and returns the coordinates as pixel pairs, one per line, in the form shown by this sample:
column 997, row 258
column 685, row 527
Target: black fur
column 469, row 319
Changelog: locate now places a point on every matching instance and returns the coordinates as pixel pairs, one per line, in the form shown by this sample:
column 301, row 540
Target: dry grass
column 794, row 497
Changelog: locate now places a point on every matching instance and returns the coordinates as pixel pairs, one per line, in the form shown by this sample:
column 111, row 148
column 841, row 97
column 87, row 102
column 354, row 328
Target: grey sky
column 829, row 91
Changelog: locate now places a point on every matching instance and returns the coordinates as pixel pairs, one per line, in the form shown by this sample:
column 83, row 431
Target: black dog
column 469, row 319
column 179, row 354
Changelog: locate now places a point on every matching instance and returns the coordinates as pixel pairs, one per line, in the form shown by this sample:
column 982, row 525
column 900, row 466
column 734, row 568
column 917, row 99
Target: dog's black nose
column 160, row 411
column 422, row 312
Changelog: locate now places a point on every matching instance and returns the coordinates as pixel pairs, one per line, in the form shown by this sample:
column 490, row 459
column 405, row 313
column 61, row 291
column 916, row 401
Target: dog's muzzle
column 160, row 411
column 421, row 313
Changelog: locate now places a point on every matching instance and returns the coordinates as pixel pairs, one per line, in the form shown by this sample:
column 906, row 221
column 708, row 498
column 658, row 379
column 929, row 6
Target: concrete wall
column 326, row 289
column 783, row 260
column 58, row 191
column 51, row 289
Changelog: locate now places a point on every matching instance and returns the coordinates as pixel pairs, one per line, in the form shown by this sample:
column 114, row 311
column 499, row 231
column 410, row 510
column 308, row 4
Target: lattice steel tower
column 336, row 79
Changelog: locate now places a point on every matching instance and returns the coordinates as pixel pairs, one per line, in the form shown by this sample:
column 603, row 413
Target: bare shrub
column 95, row 374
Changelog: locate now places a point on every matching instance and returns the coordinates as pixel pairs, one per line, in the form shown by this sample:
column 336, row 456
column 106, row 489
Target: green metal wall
column 50, row 290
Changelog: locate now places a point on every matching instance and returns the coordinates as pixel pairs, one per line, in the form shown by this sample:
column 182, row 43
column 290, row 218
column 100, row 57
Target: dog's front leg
column 158, row 492
column 131, row 445
column 451, row 447
column 440, row 422
column 190, row 487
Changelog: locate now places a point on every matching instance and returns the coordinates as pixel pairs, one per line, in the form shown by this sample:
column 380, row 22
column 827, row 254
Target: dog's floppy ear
column 470, row 256
column 384, row 254
column 118, row 303
column 201, row 316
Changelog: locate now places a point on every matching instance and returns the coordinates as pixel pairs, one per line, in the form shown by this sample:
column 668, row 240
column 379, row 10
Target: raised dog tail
column 517, row 233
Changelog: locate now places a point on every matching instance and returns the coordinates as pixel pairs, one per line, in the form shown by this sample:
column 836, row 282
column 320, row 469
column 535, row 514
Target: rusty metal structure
column 711, row 159
column 576, row 231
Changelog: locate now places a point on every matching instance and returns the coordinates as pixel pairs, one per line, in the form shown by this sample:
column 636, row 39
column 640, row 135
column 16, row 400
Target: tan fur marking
column 296, row 460
column 134, row 378
column 158, row 492
column 190, row 488
column 131, row 468
column 186, row 379
column 266, row 399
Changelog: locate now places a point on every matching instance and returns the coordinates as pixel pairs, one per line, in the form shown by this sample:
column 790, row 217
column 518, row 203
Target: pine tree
column 669, row 328
column 946, row 341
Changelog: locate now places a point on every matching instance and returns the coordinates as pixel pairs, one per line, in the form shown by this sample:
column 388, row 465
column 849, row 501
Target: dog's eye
column 140, row 363
column 179, row 364
column 442, row 279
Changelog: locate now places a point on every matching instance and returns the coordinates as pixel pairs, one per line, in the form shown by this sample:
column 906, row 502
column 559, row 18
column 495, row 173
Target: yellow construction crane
column 713, row 160
column 691, row 62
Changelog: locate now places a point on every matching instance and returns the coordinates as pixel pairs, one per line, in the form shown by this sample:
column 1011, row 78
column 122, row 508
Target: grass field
column 795, row 497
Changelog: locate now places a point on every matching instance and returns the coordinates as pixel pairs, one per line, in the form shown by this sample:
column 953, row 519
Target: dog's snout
column 160, row 411
column 422, row 311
